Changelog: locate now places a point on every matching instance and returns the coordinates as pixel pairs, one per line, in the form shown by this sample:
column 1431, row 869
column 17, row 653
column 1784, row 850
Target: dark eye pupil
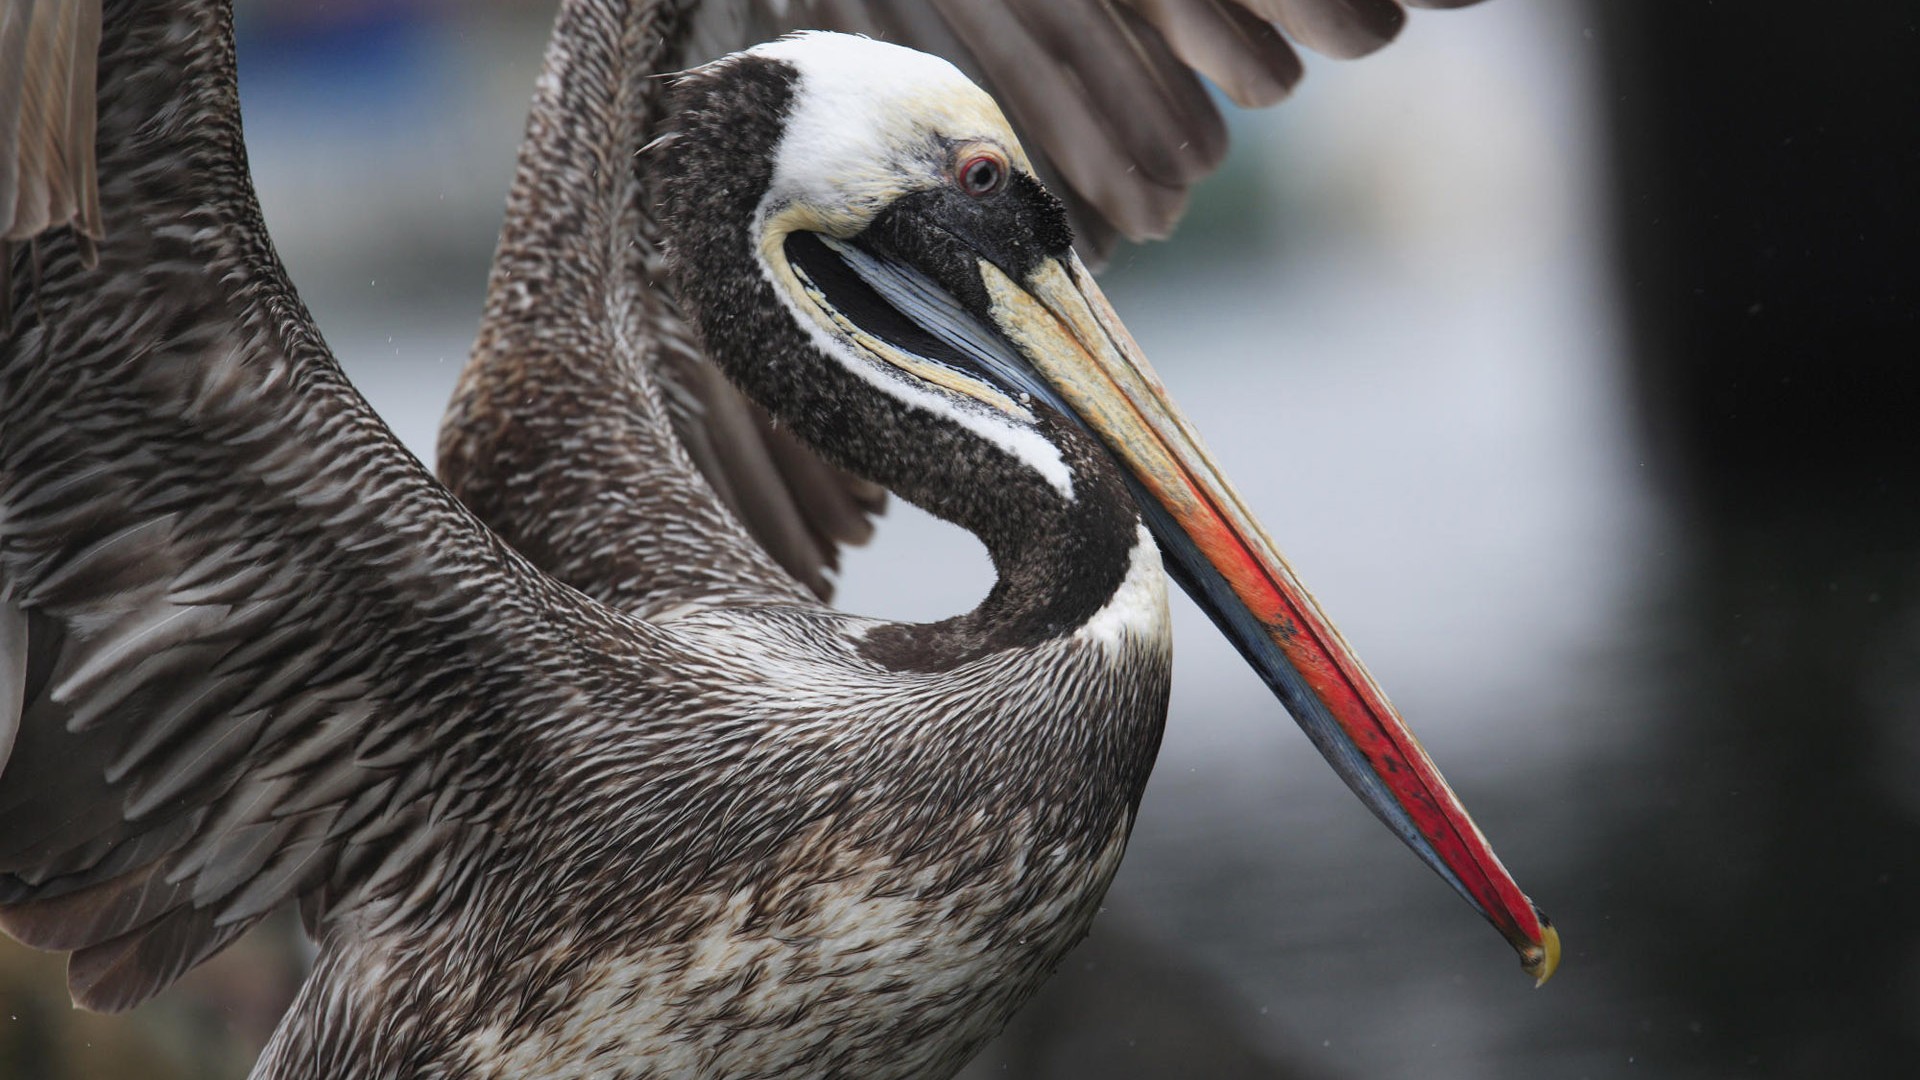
column 982, row 176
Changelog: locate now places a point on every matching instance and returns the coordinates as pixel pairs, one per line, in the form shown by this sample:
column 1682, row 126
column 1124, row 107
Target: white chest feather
column 1137, row 612
column 860, row 978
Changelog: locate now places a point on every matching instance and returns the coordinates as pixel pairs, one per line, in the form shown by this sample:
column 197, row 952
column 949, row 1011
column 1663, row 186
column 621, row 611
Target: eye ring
column 981, row 175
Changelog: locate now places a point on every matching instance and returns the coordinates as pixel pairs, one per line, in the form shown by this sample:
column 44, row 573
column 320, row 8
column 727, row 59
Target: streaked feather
column 48, row 51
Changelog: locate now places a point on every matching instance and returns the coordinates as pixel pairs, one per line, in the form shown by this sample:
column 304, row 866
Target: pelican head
column 866, row 251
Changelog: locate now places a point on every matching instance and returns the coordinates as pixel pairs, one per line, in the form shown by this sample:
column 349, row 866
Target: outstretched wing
column 249, row 649
column 671, row 489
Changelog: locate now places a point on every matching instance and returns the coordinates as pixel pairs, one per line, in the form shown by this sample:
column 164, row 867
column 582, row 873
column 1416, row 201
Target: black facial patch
column 945, row 232
column 1044, row 214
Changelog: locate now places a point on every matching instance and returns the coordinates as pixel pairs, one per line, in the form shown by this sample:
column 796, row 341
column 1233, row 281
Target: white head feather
column 869, row 120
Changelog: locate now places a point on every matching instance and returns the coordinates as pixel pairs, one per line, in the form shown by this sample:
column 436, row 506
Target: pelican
column 572, row 775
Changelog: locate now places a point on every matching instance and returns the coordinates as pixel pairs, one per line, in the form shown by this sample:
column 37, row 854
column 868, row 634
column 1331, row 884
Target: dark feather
column 48, row 50
column 1244, row 55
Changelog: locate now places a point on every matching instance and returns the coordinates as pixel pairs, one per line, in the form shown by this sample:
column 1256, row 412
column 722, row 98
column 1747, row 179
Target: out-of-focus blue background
column 1408, row 318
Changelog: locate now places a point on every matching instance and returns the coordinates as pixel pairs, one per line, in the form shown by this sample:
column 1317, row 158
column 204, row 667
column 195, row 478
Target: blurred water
column 1393, row 320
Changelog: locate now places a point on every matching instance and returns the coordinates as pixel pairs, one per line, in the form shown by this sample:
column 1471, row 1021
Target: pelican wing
column 673, row 489
column 47, row 54
column 249, row 649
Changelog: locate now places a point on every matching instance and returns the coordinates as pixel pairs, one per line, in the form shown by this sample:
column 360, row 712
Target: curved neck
column 1059, row 556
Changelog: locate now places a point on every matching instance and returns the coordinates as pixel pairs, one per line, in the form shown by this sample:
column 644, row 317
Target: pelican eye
column 981, row 175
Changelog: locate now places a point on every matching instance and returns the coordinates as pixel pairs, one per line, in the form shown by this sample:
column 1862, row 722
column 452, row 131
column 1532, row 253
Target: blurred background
column 1568, row 349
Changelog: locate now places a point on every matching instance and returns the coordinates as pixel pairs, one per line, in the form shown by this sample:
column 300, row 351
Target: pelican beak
column 1064, row 327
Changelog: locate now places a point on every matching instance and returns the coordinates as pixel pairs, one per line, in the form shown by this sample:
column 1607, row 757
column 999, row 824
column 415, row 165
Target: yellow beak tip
column 1540, row 961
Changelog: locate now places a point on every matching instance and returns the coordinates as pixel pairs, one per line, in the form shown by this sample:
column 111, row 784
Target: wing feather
column 48, row 50
column 1242, row 54
column 1338, row 28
